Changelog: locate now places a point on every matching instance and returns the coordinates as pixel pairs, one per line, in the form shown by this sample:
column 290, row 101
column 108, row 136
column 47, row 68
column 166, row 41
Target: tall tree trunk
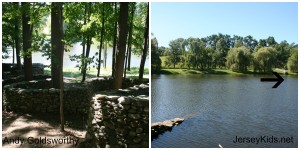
column 126, row 55
column 13, row 50
column 17, row 36
column 128, row 52
column 61, row 104
column 83, row 54
column 144, row 54
column 101, row 40
column 130, row 38
column 114, row 44
column 56, row 44
column 121, row 45
column 99, row 61
column 88, row 44
column 83, row 44
column 57, row 53
column 105, row 55
column 27, row 41
column 88, row 48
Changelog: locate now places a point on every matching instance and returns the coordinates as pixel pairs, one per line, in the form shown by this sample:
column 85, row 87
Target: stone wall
column 10, row 70
column 120, row 119
column 37, row 97
column 115, row 118
column 101, row 84
column 21, row 78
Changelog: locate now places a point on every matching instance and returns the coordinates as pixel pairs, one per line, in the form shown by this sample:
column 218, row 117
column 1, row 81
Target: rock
column 136, row 140
column 100, row 97
column 146, row 110
column 158, row 128
column 124, row 100
column 139, row 130
column 53, row 90
column 132, row 133
column 109, row 125
column 132, row 111
column 134, row 116
column 112, row 98
column 94, row 122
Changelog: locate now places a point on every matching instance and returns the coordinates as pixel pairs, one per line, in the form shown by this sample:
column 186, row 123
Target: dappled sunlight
column 33, row 129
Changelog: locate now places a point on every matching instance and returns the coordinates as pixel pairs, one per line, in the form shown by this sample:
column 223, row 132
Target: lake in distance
column 77, row 49
column 218, row 108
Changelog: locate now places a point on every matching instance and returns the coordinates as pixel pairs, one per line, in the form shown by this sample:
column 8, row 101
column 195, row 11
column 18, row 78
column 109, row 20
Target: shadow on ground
column 41, row 130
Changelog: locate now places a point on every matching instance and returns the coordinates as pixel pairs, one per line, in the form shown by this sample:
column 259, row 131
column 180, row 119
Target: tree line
column 236, row 53
column 122, row 26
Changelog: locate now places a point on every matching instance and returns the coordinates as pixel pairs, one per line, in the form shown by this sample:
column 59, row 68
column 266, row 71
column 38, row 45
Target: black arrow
column 279, row 79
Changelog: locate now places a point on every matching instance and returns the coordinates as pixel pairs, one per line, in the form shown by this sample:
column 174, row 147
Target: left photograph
column 75, row 75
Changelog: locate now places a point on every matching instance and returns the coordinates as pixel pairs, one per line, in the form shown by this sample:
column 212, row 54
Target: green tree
column 283, row 52
column 238, row 59
column 221, row 52
column 145, row 49
column 263, row 59
column 129, row 41
column 27, row 37
column 250, row 42
column 262, row 42
column 155, row 59
column 101, row 37
column 56, row 44
column 271, row 41
column 175, row 51
column 80, row 27
column 120, row 56
column 57, row 53
column 115, row 32
column 293, row 60
column 11, row 34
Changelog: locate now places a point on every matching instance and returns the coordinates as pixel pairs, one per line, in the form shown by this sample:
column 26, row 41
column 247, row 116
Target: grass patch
column 92, row 72
column 215, row 71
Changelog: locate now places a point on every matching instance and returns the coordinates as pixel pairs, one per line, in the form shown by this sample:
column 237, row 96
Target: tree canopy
column 224, row 51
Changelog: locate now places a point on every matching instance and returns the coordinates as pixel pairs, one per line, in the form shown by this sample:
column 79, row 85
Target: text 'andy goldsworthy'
column 40, row 140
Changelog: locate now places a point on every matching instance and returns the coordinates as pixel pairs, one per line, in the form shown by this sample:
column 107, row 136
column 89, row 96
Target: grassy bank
column 214, row 71
column 179, row 70
column 75, row 73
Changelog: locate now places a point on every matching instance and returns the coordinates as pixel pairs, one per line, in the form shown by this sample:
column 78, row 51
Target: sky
column 172, row 20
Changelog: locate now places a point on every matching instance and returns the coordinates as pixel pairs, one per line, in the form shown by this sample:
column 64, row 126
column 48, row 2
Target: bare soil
column 41, row 131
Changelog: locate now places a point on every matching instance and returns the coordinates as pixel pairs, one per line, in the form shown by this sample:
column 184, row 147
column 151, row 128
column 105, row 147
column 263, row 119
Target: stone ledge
column 159, row 128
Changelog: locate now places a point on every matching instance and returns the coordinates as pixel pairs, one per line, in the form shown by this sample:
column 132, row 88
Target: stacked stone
column 38, row 97
column 16, row 79
column 119, row 121
column 11, row 70
column 100, row 84
column 158, row 128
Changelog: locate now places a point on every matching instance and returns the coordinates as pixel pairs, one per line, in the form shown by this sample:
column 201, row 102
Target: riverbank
column 215, row 71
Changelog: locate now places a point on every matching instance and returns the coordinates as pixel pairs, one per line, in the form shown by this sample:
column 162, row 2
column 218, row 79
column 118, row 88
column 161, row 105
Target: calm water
column 77, row 49
column 223, row 107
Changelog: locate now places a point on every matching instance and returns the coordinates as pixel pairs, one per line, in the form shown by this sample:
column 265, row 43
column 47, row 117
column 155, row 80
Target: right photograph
column 224, row 75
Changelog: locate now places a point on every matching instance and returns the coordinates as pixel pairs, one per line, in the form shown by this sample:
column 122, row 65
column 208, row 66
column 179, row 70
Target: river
column 77, row 49
column 224, row 107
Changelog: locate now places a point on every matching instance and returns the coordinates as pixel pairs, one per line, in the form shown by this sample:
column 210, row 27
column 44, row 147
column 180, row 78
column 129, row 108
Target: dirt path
column 23, row 130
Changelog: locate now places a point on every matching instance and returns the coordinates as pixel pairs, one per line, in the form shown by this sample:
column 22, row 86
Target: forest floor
column 43, row 131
